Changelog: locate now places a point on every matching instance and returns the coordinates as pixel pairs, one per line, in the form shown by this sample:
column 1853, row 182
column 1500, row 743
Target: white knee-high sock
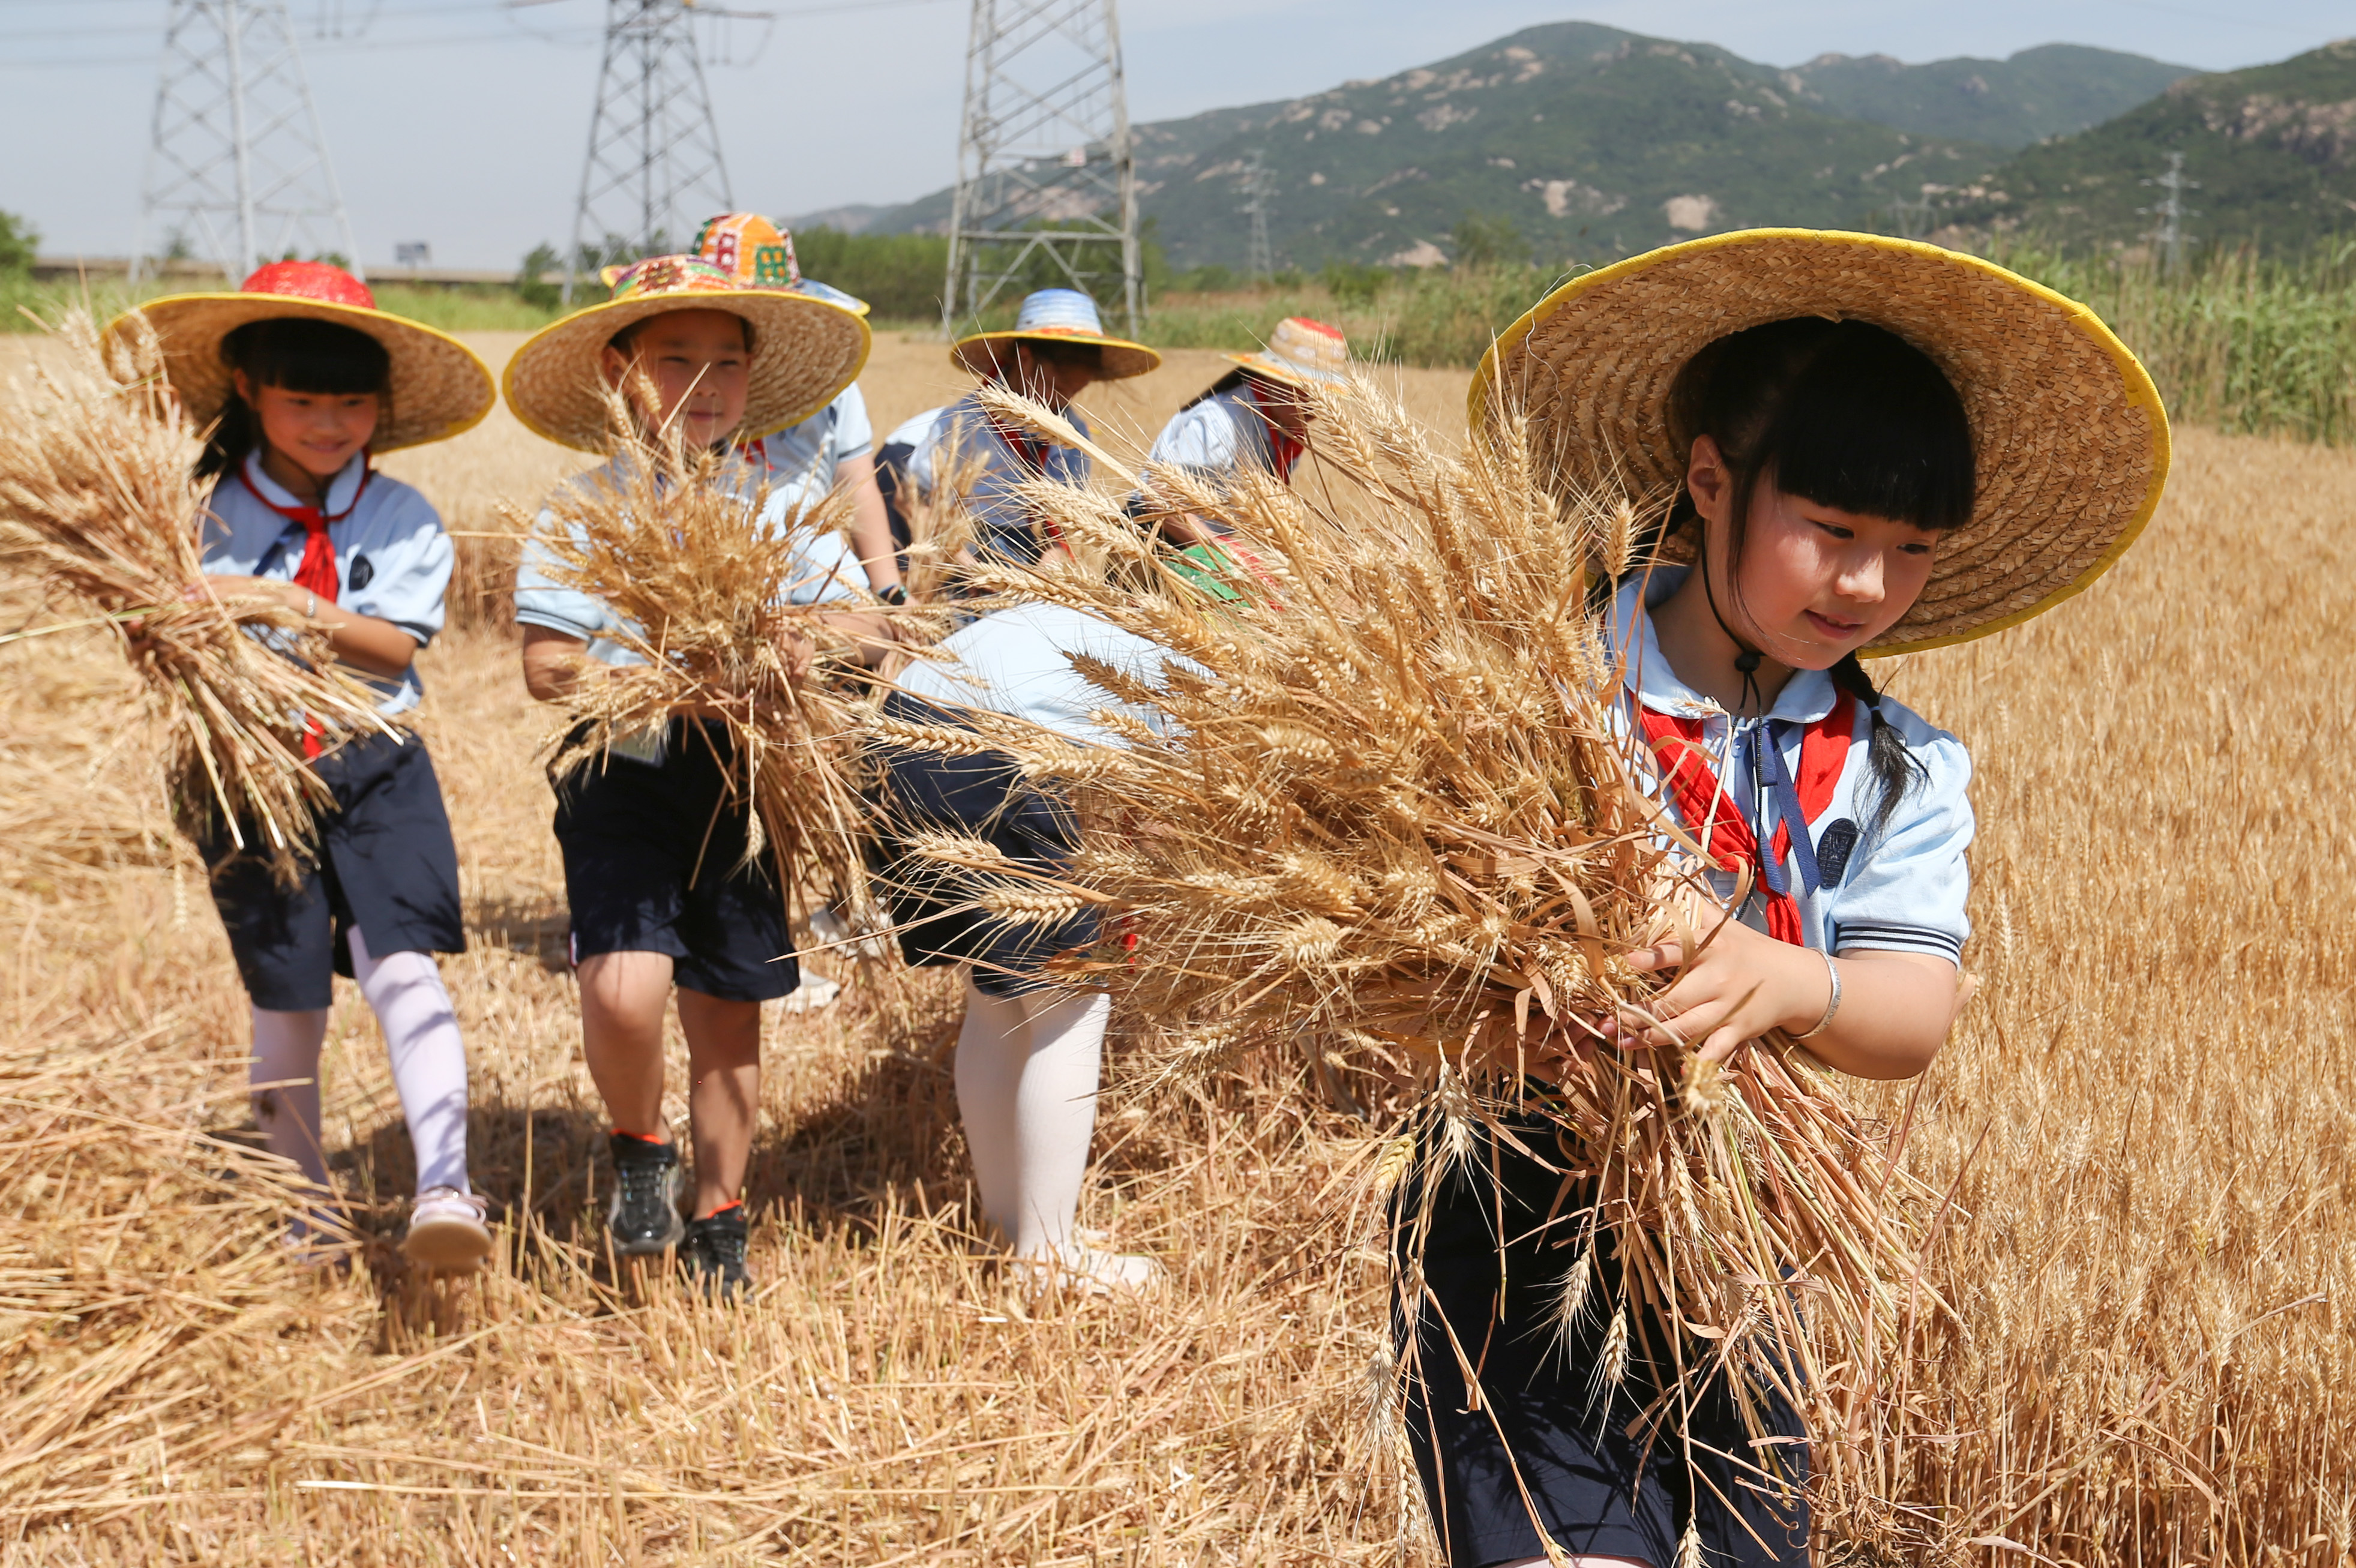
column 1027, row 1071
column 429, row 1059
column 286, row 1050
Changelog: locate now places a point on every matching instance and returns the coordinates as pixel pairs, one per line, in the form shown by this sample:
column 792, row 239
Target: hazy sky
column 463, row 124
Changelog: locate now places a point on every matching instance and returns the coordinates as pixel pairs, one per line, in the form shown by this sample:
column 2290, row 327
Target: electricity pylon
column 2171, row 213
column 654, row 169
column 1259, row 189
column 236, row 169
column 1045, row 168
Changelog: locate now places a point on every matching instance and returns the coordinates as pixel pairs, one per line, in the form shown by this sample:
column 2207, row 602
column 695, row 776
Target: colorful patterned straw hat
column 1061, row 316
column 805, row 351
column 440, row 386
column 2071, row 441
column 1302, row 352
column 761, row 255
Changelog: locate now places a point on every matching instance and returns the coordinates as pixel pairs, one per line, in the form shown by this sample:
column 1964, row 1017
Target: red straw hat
column 439, row 386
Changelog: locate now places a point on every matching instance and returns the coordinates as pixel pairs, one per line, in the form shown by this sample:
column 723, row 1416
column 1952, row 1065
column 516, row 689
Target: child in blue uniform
column 1877, row 447
column 1253, row 420
column 660, row 893
column 1056, row 349
column 308, row 380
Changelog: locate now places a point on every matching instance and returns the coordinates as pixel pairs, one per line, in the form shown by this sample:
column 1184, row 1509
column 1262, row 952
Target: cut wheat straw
column 98, row 505
column 1397, row 807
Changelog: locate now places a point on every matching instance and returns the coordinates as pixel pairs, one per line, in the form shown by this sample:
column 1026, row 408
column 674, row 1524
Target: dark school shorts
column 983, row 796
column 652, row 863
column 1598, row 1489
column 387, row 863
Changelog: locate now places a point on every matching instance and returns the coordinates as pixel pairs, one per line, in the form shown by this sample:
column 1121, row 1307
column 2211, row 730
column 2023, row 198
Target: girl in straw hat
column 1057, row 348
column 1874, row 447
column 836, row 445
column 661, row 892
column 304, row 379
column 1253, row 420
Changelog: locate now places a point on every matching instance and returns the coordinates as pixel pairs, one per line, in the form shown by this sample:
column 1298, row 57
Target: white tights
column 1026, row 1085
column 429, row 1067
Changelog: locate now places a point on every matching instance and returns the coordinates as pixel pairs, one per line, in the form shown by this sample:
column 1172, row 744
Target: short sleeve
column 1906, row 888
column 402, row 572
column 1201, row 439
column 854, row 432
column 540, row 600
column 822, row 568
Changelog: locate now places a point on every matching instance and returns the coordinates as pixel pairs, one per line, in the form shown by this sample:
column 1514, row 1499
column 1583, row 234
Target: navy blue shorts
column 981, row 797
column 386, row 863
column 654, row 862
column 1598, row 1489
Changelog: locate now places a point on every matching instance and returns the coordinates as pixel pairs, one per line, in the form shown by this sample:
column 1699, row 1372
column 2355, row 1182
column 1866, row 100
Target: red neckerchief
column 1283, row 450
column 1031, row 452
column 1717, row 822
column 316, row 572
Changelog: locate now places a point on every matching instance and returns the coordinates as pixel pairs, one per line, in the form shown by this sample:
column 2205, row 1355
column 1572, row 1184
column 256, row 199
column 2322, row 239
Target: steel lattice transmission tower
column 1260, row 193
column 1045, row 168
column 654, row 169
column 238, row 171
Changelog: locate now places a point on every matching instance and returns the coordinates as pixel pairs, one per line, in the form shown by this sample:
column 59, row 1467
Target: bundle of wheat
column 685, row 551
column 1397, row 805
column 98, row 504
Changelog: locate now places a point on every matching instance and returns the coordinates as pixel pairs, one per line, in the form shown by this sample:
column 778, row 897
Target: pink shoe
column 447, row 1230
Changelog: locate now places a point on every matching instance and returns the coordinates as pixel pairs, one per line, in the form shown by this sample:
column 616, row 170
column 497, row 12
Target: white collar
column 1806, row 697
column 342, row 491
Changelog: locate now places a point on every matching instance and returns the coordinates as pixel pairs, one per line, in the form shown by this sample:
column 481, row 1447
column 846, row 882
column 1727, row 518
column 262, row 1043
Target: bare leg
column 622, row 998
column 723, row 1096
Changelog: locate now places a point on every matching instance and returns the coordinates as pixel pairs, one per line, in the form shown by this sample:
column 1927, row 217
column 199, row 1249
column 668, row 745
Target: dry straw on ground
column 2146, row 1119
column 1387, row 798
column 98, row 507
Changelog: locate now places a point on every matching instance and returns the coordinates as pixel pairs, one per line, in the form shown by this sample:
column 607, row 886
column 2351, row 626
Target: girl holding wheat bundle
column 302, row 381
column 1875, row 447
column 664, row 880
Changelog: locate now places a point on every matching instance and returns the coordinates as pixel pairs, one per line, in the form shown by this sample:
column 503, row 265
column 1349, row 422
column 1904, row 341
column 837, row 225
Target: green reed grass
column 26, row 303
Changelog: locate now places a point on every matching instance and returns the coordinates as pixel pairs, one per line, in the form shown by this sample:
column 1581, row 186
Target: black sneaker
column 714, row 1254
column 643, row 1218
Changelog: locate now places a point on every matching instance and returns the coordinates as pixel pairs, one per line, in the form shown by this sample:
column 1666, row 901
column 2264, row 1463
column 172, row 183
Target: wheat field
column 2143, row 1125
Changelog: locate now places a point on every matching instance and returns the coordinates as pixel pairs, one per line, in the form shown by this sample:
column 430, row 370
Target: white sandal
column 447, row 1230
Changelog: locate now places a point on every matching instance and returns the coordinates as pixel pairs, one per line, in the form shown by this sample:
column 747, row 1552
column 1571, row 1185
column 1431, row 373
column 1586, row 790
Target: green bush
column 899, row 276
column 19, row 240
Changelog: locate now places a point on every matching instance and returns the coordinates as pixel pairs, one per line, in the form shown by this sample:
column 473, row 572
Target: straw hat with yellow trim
column 1302, row 353
column 2070, row 439
column 1058, row 315
column 804, row 350
column 439, row 386
column 761, row 255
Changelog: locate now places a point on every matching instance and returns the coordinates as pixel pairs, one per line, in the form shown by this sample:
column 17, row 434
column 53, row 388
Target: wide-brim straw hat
column 2070, row 440
column 1302, row 353
column 439, row 386
column 805, row 351
column 1058, row 315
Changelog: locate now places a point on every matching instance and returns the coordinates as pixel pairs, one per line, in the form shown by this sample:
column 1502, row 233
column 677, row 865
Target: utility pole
column 1911, row 218
column 654, row 169
column 1045, row 168
column 237, row 168
column 2172, row 212
column 1260, row 188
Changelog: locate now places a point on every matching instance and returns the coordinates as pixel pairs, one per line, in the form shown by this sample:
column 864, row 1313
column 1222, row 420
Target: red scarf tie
column 316, row 572
column 1715, row 820
column 1283, row 450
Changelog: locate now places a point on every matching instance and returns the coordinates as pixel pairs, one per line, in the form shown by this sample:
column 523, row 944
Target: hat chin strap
column 1747, row 659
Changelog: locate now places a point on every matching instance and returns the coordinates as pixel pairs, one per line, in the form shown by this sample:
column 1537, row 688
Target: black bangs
column 1871, row 426
column 299, row 354
column 1842, row 414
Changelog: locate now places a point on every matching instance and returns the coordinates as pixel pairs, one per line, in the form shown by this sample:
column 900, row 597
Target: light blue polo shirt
column 1018, row 661
column 823, row 569
column 392, row 556
column 961, row 435
column 1902, row 887
column 1218, row 438
column 801, row 459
